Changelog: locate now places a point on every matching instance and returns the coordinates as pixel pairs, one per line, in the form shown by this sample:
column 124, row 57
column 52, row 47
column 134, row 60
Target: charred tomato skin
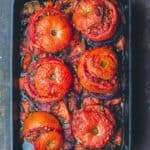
column 97, row 20
column 49, row 141
column 97, row 70
column 40, row 120
column 49, row 80
column 92, row 127
column 49, row 30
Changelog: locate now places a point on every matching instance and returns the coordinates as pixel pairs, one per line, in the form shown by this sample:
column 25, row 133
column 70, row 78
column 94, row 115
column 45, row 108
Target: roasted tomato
column 93, row 127
column 91, row 101
column 73, row 103
column 25, row 107
column 98, row 69
column 30, row 8
column 49, row 80
column 96, row 19
column 113, row 102
column 60, row 110
column 121, row 44
column 77, row 46
column 26, row 61
column 77, row 87
column 49, row 141
column 49, row 30
column 39, row 123
column 119, row 137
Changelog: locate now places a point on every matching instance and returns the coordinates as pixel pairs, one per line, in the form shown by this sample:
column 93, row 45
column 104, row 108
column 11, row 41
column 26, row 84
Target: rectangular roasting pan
column 10, row 70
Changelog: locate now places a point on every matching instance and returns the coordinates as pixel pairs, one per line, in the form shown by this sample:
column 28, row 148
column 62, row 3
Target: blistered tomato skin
column 40, row 121
column 49, row 141
column 51, row 32
column 49, row 80
column 97, row 19
column 93, row 128
column 97, row 70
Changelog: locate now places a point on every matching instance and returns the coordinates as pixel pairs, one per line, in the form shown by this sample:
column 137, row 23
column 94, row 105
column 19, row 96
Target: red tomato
column 50, row 30
column 49, row 80
column 49, row 141
column 37, row 123
column 93, row 129
column 97, row 70
column 96, row 19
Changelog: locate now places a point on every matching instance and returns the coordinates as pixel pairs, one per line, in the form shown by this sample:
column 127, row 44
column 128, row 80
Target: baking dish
column 126, row 76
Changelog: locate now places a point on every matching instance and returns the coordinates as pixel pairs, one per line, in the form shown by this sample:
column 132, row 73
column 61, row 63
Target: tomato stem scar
column 53, row 32
column 103, row 64
column 52, row 76
column 94, row 131
column 86, row 10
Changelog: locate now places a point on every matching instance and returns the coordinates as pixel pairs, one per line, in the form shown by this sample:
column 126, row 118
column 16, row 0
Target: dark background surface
column 141, row 74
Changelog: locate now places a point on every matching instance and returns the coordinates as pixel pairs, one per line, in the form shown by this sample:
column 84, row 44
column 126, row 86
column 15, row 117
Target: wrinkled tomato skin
column 97, row 19
column 52, row 32
column 49, row 141
column 50, row 80
column 101, row 109
column 38, row 120
column 97, row 70
column 84, row 121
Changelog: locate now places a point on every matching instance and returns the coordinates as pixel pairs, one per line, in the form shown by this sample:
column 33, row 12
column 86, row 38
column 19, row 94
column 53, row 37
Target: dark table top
column 141, row 73
column 5, row 73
